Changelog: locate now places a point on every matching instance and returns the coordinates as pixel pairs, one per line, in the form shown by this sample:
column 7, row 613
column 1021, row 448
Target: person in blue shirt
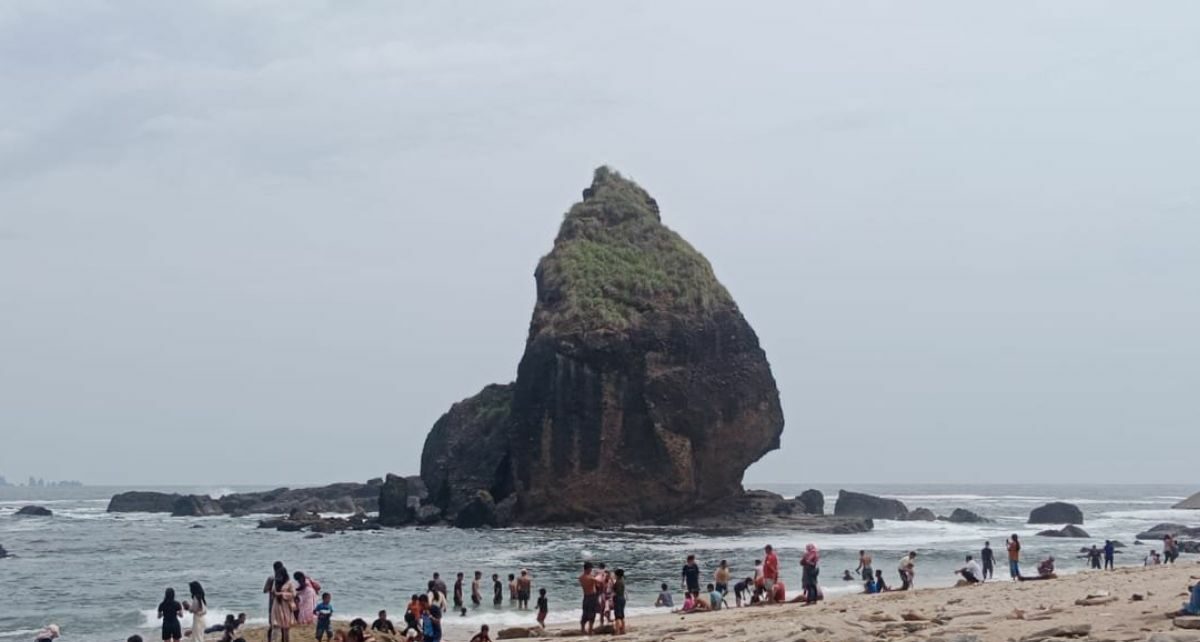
column 716, row 599
column 1110, row 550
column 324, row 613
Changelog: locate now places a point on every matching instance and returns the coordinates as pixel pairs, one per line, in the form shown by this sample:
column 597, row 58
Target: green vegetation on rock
column 614, row 261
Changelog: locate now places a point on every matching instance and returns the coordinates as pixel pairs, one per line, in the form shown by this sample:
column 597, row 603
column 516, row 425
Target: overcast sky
column 271, row 242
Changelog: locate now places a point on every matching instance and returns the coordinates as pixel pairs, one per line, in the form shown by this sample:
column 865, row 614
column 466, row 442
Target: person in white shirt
column 971, row 572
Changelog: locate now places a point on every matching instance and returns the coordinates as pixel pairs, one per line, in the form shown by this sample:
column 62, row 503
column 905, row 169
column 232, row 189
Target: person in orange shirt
column 1014, row 557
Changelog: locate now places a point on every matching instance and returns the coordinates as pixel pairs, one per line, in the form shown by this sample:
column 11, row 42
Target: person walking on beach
column 1110, row 551
column 307, row 590
column 1014, row 557
column 864, row 567
column 907, row 568
column 324, row 613
column 283, row 614
column 691, row 575
column 199, row 608
column 543, row 608
column 587, row 582
column 809, row 572
column 169, row 611
column 770, row 572
column 988, row 556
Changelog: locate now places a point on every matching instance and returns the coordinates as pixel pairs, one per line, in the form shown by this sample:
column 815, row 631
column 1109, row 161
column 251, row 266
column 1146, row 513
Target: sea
column 100, row 575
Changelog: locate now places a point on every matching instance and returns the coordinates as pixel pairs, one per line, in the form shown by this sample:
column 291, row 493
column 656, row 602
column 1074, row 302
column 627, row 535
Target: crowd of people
column 297, row 600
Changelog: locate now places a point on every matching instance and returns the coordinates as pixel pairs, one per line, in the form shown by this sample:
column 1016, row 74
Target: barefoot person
column 543, row 608
column 809, row 566
column 691, row 575
column 169, row 611
column 988, row 557
column 907, row 569
column 618, row 588
column 524, row 588
column 1014, row 557
column 458, row 592
column 306, row 598
column 587, row 582
column 269, row 591
column 864, row 566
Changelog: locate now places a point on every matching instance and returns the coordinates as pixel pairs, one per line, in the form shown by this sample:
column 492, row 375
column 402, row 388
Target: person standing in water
column 458, row 592
column 587, row 582
column 864, row 567
column 169, row 611
column 721, row 577
column 497, row 591
column 477, row 590
column 1110, row 551
column 770, row 572
column 809, row 571
column 199, row 608
column 691, row 575
column 988, row 557
column 543, row 607
column 618, row 589
column 908, row 569
column 1014, row 557
column 524, row 588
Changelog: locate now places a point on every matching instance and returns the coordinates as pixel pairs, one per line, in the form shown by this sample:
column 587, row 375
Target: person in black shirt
column 691, row 575
column 497, row 591
column 383, row 624
column 458, row 592
column 988, row 557
column 169, row 611
column 543, row 607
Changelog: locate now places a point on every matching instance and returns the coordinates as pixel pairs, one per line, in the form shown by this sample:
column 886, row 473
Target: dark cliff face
column 643, row 392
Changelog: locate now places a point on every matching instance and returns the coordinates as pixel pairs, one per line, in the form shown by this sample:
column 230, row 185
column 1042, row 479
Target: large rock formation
column 1056, row 513
column 642, row 394
column 814, row 501
column 852, row 504
column 1174, row 530
column 143, row 501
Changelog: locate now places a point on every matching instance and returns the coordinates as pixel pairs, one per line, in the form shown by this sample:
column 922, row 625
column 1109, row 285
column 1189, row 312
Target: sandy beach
column 1127, row 604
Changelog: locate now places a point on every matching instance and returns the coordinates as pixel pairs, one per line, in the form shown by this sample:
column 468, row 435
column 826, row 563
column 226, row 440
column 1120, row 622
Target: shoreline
column 995, row 611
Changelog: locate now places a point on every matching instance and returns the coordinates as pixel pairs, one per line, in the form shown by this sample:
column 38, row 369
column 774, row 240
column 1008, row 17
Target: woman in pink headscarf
column 808, row 566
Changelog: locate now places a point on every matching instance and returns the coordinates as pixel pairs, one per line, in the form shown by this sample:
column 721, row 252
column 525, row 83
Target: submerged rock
column 852, row 504
column 35, row 511
column 964, row 516
column 920, row 515
column 642, row 394
column 334, row 498
column 1069, row 530
column 1056, row 513
column 3, row 553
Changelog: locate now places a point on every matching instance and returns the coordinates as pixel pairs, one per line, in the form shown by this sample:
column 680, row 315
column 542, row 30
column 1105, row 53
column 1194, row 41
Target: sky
column 271, row 242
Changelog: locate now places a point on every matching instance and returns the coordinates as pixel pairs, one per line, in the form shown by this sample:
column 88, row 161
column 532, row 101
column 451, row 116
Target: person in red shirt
column 770, row 572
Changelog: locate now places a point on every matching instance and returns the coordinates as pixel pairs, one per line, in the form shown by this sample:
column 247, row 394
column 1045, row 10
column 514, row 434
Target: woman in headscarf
column 810, row 570
column 306, row 598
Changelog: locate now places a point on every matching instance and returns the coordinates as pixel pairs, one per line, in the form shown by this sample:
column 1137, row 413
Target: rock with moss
column 642, row 394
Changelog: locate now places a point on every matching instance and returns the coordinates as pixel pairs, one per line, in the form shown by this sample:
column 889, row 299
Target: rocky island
column 643, row 395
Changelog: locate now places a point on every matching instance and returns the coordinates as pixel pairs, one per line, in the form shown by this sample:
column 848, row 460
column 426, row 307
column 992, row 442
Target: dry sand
column 997, row 611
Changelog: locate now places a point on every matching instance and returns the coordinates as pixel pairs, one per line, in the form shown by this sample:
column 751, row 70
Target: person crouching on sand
column 971, row 571
column 664, row 598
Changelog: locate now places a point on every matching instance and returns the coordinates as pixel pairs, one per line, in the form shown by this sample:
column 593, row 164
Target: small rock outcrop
column 642, row 393
column 34, row 511
column 764, row 509
column 920, row 515
column 1191, row 503
column 3, row 553
column 1070, row 530
column 814, row 501
column 1056, row 513
column 400, row 500
column 852, row 504
column 300, row 520
column 964, row 516
column 334, row 498
column 141, row 501
column 1174, row 530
